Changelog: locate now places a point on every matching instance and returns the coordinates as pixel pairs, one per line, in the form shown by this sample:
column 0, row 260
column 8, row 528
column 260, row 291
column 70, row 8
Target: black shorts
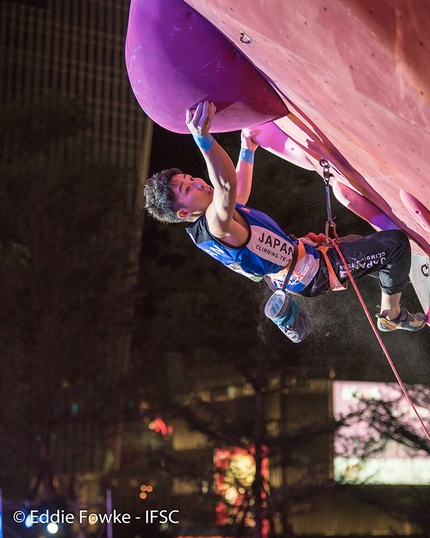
column 388, row 253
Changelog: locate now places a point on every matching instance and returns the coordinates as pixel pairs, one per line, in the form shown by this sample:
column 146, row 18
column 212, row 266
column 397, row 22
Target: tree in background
column 389, row 428
column 65, row 236
column 200, row 328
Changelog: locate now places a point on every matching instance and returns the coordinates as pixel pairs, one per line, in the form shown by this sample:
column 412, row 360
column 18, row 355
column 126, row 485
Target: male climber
column 251, row 243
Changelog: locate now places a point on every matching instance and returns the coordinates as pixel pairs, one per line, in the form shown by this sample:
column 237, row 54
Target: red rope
column 378, row 336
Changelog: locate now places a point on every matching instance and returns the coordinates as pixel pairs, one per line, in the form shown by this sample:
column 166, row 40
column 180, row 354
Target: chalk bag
column 288, row 316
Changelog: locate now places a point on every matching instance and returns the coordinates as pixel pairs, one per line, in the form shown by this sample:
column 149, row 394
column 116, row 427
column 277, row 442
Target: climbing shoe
column 404, row 321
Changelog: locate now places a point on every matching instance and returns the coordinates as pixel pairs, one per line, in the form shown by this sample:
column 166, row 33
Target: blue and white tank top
column 267, row 252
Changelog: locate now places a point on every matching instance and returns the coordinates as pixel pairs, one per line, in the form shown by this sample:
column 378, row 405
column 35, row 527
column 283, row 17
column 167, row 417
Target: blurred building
column 75, row 48
column 305, row 493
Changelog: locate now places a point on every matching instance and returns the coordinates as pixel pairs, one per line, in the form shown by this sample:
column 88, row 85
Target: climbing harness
column 335, row 243
column 335, row 283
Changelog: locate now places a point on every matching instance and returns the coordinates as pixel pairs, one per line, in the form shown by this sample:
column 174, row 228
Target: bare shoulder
column 234, row 232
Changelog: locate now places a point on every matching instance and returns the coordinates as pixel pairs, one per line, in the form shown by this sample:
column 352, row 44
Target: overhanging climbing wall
column 354, row 78
column 356, row 73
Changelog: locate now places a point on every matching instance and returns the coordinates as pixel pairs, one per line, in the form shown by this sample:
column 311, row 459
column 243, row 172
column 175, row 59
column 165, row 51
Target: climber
column 251, row 243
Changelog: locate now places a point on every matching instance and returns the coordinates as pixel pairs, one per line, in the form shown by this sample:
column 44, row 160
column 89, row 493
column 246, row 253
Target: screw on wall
column 244, row 38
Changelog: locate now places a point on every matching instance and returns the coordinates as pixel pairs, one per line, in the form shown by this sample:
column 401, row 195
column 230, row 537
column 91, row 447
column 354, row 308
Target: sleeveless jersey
column 267, row 252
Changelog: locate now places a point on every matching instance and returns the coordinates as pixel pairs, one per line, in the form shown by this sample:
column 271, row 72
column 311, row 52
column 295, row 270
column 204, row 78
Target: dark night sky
column 171, row 150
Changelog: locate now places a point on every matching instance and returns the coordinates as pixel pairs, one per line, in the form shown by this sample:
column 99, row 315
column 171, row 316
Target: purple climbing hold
column 176, row 58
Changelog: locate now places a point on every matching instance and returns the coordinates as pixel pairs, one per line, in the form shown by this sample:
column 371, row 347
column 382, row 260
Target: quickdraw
column 335, row 284
column 330, row 221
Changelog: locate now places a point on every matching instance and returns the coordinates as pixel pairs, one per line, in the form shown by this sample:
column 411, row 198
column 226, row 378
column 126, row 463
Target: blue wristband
column 204, row 142
column 246, row 155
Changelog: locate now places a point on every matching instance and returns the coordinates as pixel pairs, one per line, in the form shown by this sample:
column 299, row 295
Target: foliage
column 389, row 423
column 200, row 327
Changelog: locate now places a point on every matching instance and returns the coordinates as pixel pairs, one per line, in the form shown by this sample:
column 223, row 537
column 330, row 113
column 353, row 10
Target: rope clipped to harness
column 322, row 241
column 335, row 243
column 378, row 336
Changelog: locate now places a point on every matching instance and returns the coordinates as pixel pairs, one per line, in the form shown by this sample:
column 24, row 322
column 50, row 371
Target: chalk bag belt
column 291, row 268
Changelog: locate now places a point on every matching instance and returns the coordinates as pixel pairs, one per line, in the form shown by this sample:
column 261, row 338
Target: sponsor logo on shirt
column 270, row 246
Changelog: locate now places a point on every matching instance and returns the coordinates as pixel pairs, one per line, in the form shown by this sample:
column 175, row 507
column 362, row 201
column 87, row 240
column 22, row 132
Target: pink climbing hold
column 419, row 211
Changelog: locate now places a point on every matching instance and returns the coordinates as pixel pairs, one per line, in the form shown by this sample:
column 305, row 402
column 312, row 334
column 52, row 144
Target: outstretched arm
column 222, row 175
column 245, row 166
